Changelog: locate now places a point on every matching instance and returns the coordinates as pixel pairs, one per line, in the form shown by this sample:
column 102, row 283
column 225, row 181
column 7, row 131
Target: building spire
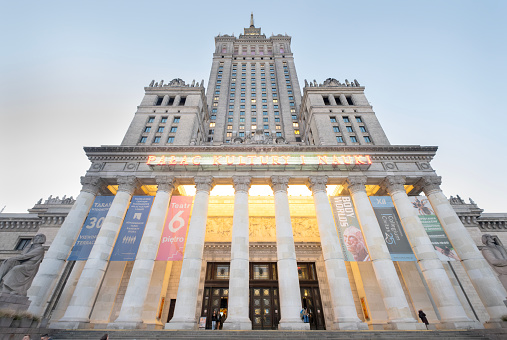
column 251, row 20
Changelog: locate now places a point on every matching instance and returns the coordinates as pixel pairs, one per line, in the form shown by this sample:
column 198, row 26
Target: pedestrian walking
column 423, row 318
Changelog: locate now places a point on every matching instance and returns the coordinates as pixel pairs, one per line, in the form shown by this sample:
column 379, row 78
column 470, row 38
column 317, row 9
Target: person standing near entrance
column 305, row 315
column 214, row 320
column 423, row 318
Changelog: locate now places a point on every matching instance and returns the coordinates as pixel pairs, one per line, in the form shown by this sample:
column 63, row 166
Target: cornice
column 358, row 149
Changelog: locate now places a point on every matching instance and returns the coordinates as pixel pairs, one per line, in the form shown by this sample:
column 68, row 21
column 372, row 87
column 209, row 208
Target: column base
column 353, row 326
column 459, row 325
column 495, row 324
column 126, row 325
column 404, row 326
column 182, row 324
column 238, row 324
column 71, row 325
column 296, row 324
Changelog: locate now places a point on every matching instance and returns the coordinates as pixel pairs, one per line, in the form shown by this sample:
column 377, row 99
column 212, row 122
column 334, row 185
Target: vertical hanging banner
column 175, row 228
column 351, row 237
column 91, row 228
column 436, row 233
column 132, row 229
column 391, row 228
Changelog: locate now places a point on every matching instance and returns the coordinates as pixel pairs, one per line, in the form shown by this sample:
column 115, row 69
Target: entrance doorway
column 310, row 295
column 216, row 292
column 264, row 310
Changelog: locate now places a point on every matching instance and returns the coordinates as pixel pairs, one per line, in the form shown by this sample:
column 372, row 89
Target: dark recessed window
column 147, row 129
column 349, row 100
column 174, row 129
column 156, row 140
column 336, row 129
column 22, row 243
column 170, row 140
column 367, row 139
column 159, row 100
column 353, row 139
column 151, row 119
column 333, row 119
column 339, row 139
column 163, row 120
column 176, row 120
column 143, row 140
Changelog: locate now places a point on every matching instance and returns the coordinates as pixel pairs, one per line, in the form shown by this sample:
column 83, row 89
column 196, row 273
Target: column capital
column 317, row 183
column 430, row 184
column 279, row 183
column 91, row 184
column 165, row 183
column 127, row 184
column 204, row 183
column 393, row 184
column 356, row 183
column 241, row 183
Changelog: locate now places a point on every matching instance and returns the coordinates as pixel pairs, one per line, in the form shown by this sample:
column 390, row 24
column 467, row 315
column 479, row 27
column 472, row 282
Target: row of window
column 353, row 139
column 346, row 119
column 338, row 100
column 170, row 102
column 157, row 139
column 163, row 120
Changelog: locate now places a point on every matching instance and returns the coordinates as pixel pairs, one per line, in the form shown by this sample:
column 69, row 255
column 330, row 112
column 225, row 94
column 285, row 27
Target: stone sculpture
column 496, row 256
column 17, row 273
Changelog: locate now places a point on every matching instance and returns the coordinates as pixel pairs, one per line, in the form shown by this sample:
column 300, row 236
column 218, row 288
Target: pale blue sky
column 72, row 74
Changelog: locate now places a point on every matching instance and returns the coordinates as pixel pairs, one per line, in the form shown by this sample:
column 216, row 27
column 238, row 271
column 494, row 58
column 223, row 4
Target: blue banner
column 132, row 229
column 391, row 228
column 91, row 228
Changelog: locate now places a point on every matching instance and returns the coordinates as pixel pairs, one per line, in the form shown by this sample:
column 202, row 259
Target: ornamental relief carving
column 262, row 229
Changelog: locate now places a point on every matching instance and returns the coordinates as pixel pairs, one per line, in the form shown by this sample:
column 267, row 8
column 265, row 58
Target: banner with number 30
column 172, row 242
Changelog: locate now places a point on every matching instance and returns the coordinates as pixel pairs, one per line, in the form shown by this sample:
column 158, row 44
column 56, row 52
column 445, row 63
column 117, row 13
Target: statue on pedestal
column 496, row 256
column 17, row 273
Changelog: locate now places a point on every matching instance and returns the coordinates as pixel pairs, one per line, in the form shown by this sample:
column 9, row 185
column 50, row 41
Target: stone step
column 492, row 334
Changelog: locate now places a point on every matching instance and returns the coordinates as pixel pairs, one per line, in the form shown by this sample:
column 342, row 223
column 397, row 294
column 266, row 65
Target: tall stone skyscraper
column 363, row 249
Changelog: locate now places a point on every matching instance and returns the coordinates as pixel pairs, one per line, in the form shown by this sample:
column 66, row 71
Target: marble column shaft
column 132, row 308
column 396, row 304
column 89, row 283
column 239, row 281
column 186, row 300
column 55, row 258
column 444, row 295
column 344, row 308
column 491, row 292
column 288, row 279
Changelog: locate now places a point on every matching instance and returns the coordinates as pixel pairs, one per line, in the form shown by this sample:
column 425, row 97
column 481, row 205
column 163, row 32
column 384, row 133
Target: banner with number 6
column 175, row 229
column 91, row 228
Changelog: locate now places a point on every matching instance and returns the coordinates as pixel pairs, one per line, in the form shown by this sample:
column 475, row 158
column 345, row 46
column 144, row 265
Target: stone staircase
column 493, row 334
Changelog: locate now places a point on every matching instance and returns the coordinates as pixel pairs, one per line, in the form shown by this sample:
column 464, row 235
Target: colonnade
column 449, row 307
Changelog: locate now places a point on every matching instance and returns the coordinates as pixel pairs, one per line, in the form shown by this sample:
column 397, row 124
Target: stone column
column 331, row 99
column 186, row 300
column 451, row 311
column 83, row 299
column 397, row 308
column 344, row 308
column 491, row 292
column 55, row 258
column 177, row 100
column 288, row 279
column 165, row 100
column 239, row 281
column 137, row 290
column 343, row 99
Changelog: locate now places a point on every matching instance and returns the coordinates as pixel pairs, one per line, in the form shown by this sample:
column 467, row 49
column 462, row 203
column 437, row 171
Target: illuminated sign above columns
column 249, row 159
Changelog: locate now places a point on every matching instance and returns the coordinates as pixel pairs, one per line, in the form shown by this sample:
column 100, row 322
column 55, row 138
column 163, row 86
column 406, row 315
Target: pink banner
column 175, row 228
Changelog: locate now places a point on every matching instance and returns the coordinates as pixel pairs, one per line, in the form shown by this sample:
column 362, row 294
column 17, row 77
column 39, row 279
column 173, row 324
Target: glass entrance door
column 264, row 307
column 310, row 298
column 215, row 299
